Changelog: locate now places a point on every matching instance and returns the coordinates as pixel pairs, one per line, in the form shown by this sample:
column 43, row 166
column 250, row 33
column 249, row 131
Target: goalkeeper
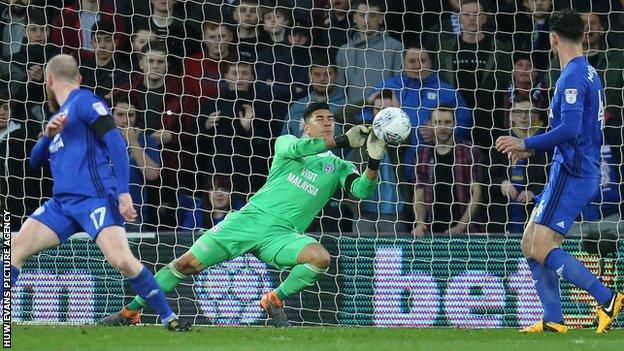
column 302, row 178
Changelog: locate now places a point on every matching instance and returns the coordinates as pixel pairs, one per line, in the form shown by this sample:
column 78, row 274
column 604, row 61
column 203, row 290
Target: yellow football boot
column 607, row 314
column 546, row 327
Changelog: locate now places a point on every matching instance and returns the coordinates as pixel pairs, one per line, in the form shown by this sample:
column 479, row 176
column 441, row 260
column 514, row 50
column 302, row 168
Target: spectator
column 608, row 63
column 155, row 92
column 13, row 26
column 449, row 180
column 245, row 15
column 220, row 200
column 235, row 130
column 611, row 13
column 332, row 32
column 144, row 154
column 285, row 67
column 527, row 27
column 515, row 185
column 525, row 85
column 21, row 188
column 169, row 29
column 371, row 55
column 103, row 70
column 323, row 88
column 418, row 92
column 156, row 95
column 138, row 40
column 71, row 31
column 479, row 66
column 24, row 70
column 203, row 70
column 275, row 21
column 383, row 211
column 447, row 27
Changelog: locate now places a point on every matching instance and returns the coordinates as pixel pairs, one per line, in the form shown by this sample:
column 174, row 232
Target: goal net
column 200, row 90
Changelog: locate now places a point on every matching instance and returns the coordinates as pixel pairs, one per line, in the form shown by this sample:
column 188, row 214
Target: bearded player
column 303, row 176
column 576, row 120
column 81, row 143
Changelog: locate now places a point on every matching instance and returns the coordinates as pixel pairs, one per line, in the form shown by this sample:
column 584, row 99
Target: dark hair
column 270, row 7
column 219, row 182
column 381, row 5
column 214, row 25
column 385, row 94
column 300, row 28
column 416, row 47
column 237, row 3
column 315, row 106
column 4, row 96
column 234, row 61
column 321, row 58
column 154, row 45
column 522, row 55
column 102, row 28
column 466, row 2
column 445, row 108
column 567, row 24
column 120, row 99
column 36, row 16
column 137, row 29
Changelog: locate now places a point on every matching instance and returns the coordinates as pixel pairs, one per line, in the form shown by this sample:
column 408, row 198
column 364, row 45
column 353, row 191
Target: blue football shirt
column 78, row 157
column 579, row 89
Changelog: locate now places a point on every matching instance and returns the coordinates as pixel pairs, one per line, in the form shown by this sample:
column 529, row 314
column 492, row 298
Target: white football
column 392, row 125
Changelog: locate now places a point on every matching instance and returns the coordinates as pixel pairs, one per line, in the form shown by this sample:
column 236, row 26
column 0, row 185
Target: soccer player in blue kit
column 576, row 121
column 81, row 143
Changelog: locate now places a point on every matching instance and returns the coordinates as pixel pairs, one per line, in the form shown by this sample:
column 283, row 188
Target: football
column 392, row 125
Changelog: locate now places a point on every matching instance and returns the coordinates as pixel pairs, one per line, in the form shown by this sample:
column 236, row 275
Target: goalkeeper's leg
column 204, row 253
column 310, row 261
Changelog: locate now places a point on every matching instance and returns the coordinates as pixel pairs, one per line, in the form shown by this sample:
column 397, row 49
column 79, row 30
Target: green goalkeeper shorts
column 270, row 239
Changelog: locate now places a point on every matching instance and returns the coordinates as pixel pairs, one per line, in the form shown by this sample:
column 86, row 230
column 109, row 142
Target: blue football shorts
column 563, row 198
column 69, row 214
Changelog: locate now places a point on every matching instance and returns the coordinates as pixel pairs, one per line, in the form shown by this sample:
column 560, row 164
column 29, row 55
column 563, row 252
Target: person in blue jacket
column 419, row 91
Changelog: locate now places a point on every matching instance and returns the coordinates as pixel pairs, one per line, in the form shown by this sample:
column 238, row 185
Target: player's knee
column 126, row 264
column 320, row 258
column 17, row 253
column 525, row 245
column 20, row 251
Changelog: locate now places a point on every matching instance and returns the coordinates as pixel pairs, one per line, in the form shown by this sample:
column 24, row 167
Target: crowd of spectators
column 200, row 90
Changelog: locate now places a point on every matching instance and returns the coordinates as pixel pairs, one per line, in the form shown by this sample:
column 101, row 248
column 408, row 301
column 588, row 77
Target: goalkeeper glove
column 376, row 149
column 355, row 137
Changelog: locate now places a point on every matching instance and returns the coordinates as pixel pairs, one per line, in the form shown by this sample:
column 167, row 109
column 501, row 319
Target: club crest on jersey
column 328, row 168
column 99, row 108
column 56, row 144
column 570, row 95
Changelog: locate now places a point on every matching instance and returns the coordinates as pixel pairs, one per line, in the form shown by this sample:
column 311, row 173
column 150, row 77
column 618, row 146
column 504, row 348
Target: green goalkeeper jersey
column 303, row 177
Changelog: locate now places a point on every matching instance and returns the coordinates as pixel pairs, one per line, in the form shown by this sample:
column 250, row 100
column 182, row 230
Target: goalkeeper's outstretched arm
column 289, row 146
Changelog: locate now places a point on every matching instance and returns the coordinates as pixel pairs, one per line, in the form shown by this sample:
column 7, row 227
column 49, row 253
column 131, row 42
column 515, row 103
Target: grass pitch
column 153, row 338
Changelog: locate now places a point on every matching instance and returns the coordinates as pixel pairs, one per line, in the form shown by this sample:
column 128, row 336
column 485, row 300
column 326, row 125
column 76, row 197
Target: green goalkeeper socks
column 167, row 278
column 300, row 277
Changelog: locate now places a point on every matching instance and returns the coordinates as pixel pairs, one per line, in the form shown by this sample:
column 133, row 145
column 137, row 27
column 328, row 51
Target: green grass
column 83, row 338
